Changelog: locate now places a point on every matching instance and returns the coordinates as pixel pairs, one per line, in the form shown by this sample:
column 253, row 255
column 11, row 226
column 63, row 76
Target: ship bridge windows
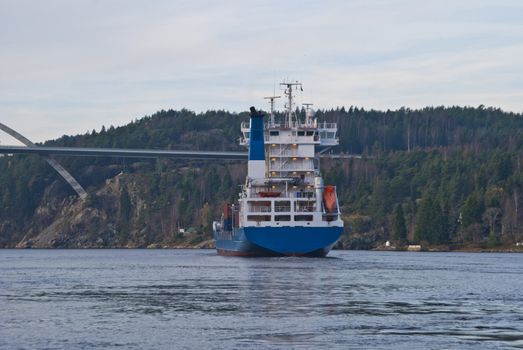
column 327, row 134
column 274, row 133
column 282, row 218
column 306, row 133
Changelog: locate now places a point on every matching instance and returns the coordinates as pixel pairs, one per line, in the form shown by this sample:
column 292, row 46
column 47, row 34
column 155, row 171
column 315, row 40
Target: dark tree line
column 437, row 175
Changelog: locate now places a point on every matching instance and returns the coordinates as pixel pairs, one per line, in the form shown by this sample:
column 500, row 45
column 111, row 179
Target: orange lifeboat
column 329, row 198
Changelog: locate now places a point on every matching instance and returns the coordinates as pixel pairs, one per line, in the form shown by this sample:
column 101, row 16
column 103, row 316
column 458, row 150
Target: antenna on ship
column 289, row 105
column 308, row 113
column 271, row 101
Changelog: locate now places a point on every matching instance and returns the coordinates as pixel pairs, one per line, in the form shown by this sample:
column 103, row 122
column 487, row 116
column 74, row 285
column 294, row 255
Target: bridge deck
column 115, row 152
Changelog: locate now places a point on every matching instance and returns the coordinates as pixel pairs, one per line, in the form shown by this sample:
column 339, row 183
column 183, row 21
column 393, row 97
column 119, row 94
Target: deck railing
column 278, row 152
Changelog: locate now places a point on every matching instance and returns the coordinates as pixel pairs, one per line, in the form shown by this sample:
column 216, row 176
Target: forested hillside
column 441, row 176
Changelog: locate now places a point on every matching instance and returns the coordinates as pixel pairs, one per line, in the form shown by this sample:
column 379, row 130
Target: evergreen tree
column 399, row 226
column 429, row 221
column 445, row 226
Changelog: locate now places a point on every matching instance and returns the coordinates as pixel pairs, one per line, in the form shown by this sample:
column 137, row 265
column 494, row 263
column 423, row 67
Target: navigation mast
column 271, row 101
column 289, row 104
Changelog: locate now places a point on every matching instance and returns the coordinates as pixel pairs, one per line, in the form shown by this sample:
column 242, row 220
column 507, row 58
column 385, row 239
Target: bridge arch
column 51, row 161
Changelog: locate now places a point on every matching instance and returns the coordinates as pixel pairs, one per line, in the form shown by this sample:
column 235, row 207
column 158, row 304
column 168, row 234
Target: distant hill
column 453, row 174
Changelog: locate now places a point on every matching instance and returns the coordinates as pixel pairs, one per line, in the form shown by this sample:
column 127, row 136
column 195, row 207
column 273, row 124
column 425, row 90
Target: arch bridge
column 49, row 152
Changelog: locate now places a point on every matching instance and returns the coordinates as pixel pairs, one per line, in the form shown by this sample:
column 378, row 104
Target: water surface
column 194, row 299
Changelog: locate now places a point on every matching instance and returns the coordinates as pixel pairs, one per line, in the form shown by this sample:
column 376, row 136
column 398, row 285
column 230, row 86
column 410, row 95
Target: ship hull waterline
column 278, row 241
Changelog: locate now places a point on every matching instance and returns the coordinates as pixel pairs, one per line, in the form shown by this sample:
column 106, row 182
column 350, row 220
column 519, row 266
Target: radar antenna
column 308, row 113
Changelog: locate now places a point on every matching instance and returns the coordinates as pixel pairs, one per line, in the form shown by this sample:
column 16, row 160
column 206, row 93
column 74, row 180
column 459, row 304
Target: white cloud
column 68, row 67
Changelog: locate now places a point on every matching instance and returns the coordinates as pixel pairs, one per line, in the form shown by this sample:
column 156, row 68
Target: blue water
column 194, row 299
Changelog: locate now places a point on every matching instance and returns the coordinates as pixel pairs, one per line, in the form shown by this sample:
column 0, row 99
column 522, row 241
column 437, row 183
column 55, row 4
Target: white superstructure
column 286, row 189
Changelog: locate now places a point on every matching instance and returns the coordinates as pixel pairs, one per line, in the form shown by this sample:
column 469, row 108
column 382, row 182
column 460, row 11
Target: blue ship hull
column 277, row 241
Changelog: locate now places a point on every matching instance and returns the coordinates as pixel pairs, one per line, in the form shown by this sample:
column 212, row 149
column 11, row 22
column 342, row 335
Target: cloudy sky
column 71, row 66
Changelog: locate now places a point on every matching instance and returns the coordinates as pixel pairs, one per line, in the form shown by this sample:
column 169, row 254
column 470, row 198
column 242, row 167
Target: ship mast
column 271, row 101
column 289, row 105
column 308, row 113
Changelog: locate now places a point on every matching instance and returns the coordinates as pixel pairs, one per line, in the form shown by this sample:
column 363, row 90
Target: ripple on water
column 195, row 299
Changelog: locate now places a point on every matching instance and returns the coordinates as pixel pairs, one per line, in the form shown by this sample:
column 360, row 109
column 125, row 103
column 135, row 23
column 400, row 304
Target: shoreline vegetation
column 436, row 177
column 210, row 246
column 429, row 249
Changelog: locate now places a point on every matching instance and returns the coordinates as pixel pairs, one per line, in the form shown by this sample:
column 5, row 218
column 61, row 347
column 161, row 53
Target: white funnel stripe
column 256, row 169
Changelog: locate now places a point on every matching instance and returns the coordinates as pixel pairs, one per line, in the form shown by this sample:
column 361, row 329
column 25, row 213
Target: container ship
column 284, row 208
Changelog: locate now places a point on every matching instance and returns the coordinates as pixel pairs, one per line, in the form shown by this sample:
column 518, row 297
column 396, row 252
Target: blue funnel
column 256, row 144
